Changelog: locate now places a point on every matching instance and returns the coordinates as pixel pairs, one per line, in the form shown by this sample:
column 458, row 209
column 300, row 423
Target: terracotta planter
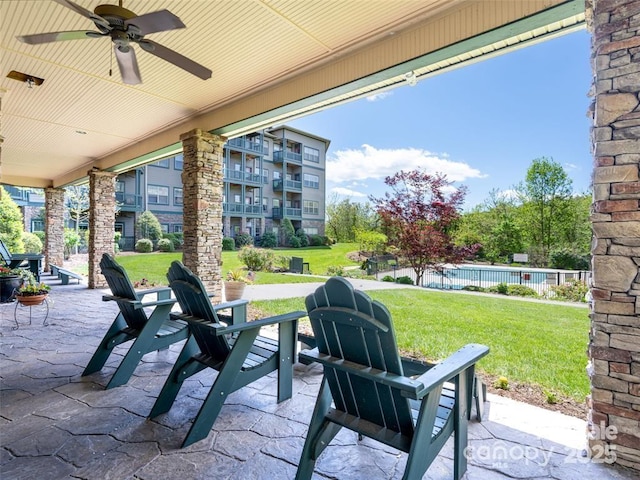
column 7, row 286
column 233, row 290
column 31, row 300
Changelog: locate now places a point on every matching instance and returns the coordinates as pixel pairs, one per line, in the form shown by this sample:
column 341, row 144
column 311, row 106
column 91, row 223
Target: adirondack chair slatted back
column 121, row 286
column 194, row 301
column 347, row 324
column 4, row 253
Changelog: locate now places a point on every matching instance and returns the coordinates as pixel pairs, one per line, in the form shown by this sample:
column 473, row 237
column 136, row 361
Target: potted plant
column 32, row 293
column 11, row 279
column 235, row 283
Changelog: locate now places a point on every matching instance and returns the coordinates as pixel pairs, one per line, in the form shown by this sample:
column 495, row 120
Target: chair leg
column 111, row 339
column 182, row 369
column 421, row 453
column 286, row 354
column 320, row 433
column 461, row 423
column 221, row 388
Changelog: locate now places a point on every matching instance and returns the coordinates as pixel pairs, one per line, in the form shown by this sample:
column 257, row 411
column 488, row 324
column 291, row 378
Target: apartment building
column 269, row 175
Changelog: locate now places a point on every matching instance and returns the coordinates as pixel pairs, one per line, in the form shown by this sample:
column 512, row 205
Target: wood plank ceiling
column 270, row 59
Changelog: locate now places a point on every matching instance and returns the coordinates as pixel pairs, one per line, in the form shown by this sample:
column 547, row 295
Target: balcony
column 233, row 175
column 290, row 185
column 279, row 156
column 279, row 213
column 253, row 210
column 128, row 202
column 246, row 144
column 229, row 208
column 252, row 177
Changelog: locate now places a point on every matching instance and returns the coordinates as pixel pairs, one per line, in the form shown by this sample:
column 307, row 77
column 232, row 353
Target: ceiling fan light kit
column 124, row 28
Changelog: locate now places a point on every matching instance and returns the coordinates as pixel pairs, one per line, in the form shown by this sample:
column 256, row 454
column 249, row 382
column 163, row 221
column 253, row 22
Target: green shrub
column 405, row 280
column 568, row 260
column 148, row 226
column 502, row 288
column 474, row 288
column 281, row 263
column 71, row 239
column 144, row 245
column 521, row 291
column 256, row 259
column 388, row 278
column 117, row 236
column 294, row 242
column 11, row 226
column 32, row 243
column 502, row 383
column 165, row 245
column 176, row 238
column 269, row 240
column 243, row 239
column 41, row 235
column 573, row 290
column 335, row 271
column 328, row 241
column 316, row 240
column 287, row 231
column 304, row 240
column 228, row 244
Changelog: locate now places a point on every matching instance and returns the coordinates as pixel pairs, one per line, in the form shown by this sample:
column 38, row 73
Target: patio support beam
column 202, row 206
column 614, row 349
column 53, row 227
column 102, row 215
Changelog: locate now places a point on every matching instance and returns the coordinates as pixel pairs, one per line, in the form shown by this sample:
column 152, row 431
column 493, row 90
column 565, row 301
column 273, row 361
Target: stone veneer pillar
column 102, row 215
column 202, row 196
column 53, row 227
column 614, row 348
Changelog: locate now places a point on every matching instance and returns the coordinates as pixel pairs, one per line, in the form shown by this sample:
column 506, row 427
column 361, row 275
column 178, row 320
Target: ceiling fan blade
column 153, row 22
column 84, row 12
column 39, row 38
column 128, row 65
column 177, row 59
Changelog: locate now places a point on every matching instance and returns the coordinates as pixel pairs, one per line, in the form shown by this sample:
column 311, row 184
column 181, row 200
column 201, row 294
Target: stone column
column 614, row 348
column 53, row 227
column 202, row 192
column 102, row 217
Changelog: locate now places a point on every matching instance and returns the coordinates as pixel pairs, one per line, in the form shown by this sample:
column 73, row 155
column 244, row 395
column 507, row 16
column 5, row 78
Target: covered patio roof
column 271, row 60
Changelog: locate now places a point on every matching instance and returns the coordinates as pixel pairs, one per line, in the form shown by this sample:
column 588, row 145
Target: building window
column 277, row 175
column 177, row 228
column 311, row 154
column 177, row 162
column 157, row 195
column 119, row 186
column 164, row 163
column 265, row 204
column 177, row 195
column 311, row 181
column 311, row 230
column 311, row 207
column 237, row 198
column 164, row 227
column 265, row 175
column 37, row 225
column 276, row 203
column 119, row 227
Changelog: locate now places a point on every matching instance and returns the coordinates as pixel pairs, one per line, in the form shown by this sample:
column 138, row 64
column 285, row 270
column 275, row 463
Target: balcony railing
column 246, row 144
column 293, row 212
column 128, row 202
column 252, row 209
column 279, row 184
column 279, row 156
column 276, row 213
column 252, row 177
column 233, row 208
column 233, row 175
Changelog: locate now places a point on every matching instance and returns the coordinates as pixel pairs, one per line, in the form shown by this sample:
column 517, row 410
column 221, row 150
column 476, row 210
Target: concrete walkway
column 55, row 424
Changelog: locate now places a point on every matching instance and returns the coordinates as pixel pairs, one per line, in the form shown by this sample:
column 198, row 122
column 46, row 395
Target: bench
column 64, row 274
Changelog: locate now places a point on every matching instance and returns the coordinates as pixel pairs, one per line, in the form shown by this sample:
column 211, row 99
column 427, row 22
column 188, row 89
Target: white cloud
column 571, row 166
column 378, row 96
column 347, row 192
column 509, row 194
column 371, row 163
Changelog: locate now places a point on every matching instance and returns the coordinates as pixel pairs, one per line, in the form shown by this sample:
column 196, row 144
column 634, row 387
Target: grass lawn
column 530, row 342
column 154, row 266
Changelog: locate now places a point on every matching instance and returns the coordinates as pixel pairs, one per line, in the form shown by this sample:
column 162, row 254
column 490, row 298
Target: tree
column 78, row 207
column 11, row 224
column 344, row 217
column 148, row 226
column 545, row 194
column 418, row 218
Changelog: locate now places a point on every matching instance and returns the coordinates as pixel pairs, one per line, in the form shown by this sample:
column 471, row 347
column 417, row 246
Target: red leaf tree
column 418, row 216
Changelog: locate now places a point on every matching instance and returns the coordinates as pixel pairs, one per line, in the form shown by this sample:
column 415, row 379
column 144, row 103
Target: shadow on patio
column 56, row 424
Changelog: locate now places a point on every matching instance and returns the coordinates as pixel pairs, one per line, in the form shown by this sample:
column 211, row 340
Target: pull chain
column 111, row 62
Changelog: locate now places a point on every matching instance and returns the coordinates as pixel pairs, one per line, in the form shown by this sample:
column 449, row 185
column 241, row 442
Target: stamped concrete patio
column 56, row 424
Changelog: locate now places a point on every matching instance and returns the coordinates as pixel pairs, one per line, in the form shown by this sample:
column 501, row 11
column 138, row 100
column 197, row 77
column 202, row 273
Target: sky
column 482, row 125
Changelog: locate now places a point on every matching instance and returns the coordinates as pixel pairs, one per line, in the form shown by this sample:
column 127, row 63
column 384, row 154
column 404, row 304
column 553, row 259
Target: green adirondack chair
column 366, row 388
column 148, row 332
column 236, row 351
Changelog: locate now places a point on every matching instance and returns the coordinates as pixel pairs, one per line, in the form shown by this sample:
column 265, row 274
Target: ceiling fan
column 125, row 28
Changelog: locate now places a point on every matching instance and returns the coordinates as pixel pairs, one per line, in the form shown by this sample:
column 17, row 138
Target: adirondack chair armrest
column 220, row 329
column 407, row 385
column 137, row 303
column 230, row 304
column 450, row 367
column 161, row 291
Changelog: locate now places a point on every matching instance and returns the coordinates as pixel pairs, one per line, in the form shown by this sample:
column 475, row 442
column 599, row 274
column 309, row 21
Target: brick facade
column 614, row 349
column 102, row 214
column 54, row 227
column 202, row 178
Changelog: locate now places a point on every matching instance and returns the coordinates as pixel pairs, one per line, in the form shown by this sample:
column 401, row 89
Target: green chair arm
column 137, row 303
column 224, row 330
column 159, row 290
column 230, row 304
